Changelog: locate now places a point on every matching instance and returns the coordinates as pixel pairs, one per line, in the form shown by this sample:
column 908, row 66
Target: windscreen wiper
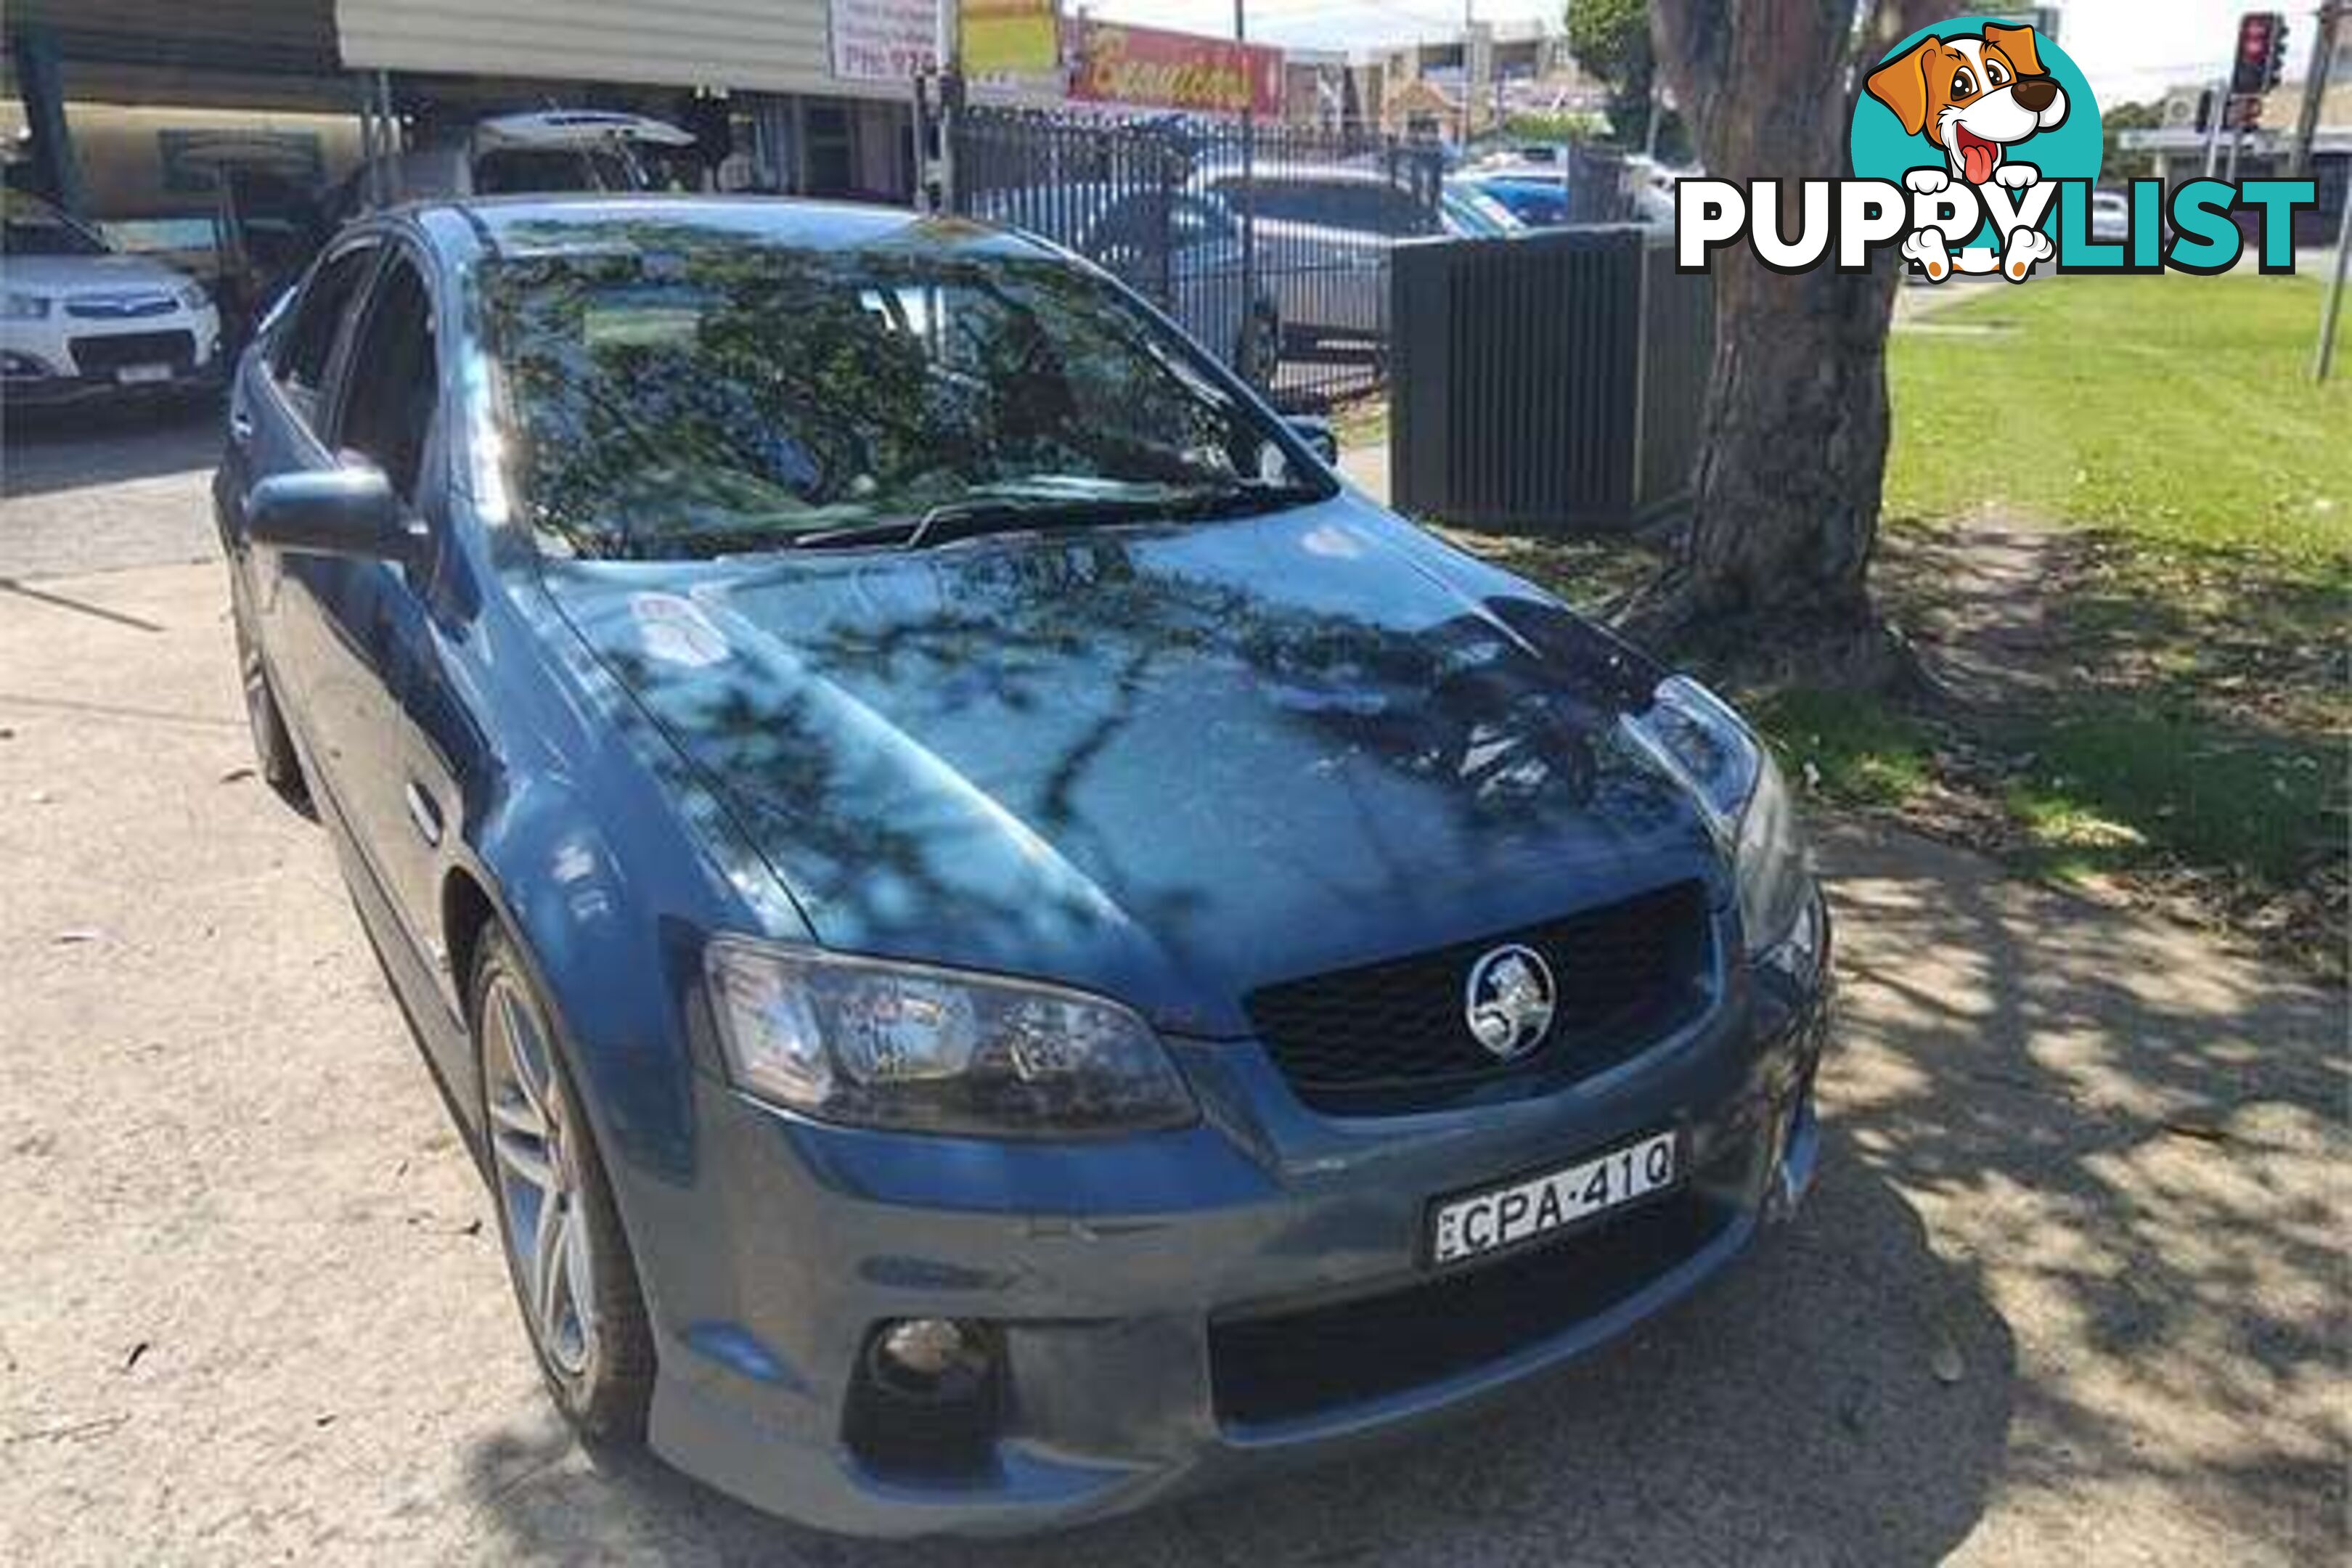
column 977, row 515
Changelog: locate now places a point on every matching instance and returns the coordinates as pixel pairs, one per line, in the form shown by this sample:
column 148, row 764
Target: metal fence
column 1270, row 245
column 1550, row 381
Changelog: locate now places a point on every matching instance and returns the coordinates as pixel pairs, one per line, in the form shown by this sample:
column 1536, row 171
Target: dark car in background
column 1007, row 946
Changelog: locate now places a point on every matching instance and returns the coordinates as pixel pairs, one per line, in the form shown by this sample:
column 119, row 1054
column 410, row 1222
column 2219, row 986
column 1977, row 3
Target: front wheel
column 273, row 745
column 574, row 1277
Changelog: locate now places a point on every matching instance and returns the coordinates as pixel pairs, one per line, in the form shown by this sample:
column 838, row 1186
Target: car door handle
column 240, row 427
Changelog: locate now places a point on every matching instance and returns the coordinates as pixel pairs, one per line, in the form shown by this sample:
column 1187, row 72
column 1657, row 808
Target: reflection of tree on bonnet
column 1135, row 701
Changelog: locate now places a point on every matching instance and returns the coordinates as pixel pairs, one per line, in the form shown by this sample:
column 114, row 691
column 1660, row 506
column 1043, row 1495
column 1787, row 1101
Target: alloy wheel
column 548, row 1237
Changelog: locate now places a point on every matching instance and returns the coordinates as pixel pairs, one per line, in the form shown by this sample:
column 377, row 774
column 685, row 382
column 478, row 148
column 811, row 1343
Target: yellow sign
column 1011, row 38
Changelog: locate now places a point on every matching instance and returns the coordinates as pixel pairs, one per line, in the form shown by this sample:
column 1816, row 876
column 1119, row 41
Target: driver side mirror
column 350, row 511
column 1319, row 435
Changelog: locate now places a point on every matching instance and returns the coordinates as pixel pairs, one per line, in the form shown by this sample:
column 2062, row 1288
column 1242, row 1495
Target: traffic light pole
column 2315, row 85
column 2332, row 311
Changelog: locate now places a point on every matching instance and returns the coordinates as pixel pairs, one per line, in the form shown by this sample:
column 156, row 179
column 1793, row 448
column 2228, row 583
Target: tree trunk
column 1774, row 567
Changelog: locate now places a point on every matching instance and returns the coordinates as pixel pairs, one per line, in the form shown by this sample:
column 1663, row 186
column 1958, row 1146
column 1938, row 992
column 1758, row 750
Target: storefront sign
column 1011, row 38
column 1157, row 70
column 884, row 40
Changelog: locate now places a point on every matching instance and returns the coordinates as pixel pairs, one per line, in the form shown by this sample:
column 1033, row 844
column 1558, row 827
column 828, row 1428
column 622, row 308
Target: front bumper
column 52, row 364
column 1152, row 1297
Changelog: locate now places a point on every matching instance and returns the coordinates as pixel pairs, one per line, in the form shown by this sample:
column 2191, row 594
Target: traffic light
column 2262, row 53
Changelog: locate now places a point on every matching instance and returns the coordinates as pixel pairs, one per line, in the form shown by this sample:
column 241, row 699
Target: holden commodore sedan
column 1006, row 945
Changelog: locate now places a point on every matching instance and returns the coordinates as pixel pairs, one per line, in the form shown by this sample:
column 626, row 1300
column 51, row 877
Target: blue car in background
column 1007, row 946
column 1537, row 200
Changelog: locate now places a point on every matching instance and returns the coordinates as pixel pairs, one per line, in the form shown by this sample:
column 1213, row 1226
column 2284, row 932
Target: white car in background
column 536, row 152
column 2110, row 217
column 80, row 319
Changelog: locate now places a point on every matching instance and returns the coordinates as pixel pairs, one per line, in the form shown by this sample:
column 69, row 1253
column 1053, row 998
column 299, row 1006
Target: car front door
column 277, row 425
column 387, row 412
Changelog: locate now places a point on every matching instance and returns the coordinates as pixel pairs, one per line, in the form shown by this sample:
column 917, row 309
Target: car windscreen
column 739, row 397
column 31, row 229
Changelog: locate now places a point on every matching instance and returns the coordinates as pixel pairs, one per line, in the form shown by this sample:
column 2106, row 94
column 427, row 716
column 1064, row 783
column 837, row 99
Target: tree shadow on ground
column 2130, row 1140
column 56, row 449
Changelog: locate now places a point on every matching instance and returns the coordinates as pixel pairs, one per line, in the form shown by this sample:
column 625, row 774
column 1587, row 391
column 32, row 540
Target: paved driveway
column 2072, row 1290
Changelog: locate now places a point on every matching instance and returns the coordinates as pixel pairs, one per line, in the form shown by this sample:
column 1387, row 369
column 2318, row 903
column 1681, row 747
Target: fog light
column 929, row 1399
column 929, row 1358
column 925, row 1345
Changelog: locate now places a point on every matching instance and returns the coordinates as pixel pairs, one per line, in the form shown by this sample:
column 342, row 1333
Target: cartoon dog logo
column 1975, row 96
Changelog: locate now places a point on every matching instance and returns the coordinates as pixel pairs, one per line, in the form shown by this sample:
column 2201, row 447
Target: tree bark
column 1773, row 569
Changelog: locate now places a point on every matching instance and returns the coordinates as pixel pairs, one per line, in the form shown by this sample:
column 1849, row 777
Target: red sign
column 1160, row 69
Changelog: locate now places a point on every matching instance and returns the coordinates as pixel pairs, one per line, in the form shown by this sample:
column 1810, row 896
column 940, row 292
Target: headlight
column 194, row 297
column 1690, row 733
column 930, row 1050
column 23, row 307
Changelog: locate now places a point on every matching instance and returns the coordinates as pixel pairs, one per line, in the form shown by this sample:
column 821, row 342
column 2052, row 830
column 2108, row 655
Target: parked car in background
column 1323, row 234
column 81, row 318
column 542, row 151
column 2110, row 217
column 1471, row 212
column 1006, row 947
column 1535, row 200
column 1178, row 248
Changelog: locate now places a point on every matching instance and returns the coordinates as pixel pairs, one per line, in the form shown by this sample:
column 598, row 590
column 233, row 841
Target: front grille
column 1392, row 1036
column 105, row 355
column 1281, row 1367
column 115, row 307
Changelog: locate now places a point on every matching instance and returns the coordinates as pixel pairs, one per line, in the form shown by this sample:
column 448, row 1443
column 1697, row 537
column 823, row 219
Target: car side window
column 306, row 342
column 394, row 382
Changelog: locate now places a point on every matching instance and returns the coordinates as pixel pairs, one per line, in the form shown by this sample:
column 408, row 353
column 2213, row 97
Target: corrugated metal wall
column 776, row 46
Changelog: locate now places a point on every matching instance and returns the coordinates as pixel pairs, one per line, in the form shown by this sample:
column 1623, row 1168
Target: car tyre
column 273, row 744
column 576, row 1283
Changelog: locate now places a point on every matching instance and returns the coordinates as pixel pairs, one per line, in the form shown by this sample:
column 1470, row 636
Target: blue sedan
column 1006, row 945
column 1538, row 201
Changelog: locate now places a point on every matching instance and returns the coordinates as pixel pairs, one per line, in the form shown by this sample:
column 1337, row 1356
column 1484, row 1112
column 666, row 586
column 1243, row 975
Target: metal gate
column 1269, row 245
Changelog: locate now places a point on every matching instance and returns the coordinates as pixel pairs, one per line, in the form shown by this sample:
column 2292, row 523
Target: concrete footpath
column 2072, row 1289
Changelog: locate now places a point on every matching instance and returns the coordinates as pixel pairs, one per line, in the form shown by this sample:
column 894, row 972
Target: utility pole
column 2315, row 86
column 1469, row 83
column 947, row 51
column 1249, row 371
column 2333, row 311
column 2214, row 118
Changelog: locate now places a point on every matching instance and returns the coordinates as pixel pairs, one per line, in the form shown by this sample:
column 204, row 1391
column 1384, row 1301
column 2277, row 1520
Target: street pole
column 2333, row 311
column 948, row 50
column 2314, row 86
column 1469, row 83
column 2219, row 111
column 1245, row 349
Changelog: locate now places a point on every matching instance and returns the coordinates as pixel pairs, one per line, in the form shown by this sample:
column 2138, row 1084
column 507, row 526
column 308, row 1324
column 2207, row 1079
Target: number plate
column 137, row 372
column 1466, row 1227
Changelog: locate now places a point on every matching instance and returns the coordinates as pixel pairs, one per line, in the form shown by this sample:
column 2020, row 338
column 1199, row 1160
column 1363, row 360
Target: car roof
column 612, row 222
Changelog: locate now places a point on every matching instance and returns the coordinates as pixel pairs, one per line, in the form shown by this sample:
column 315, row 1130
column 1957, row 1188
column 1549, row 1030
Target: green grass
column 1853, row 751
column 2118, row 785
column 2186, row 723
column 2201, row 589
column 2173, row 407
